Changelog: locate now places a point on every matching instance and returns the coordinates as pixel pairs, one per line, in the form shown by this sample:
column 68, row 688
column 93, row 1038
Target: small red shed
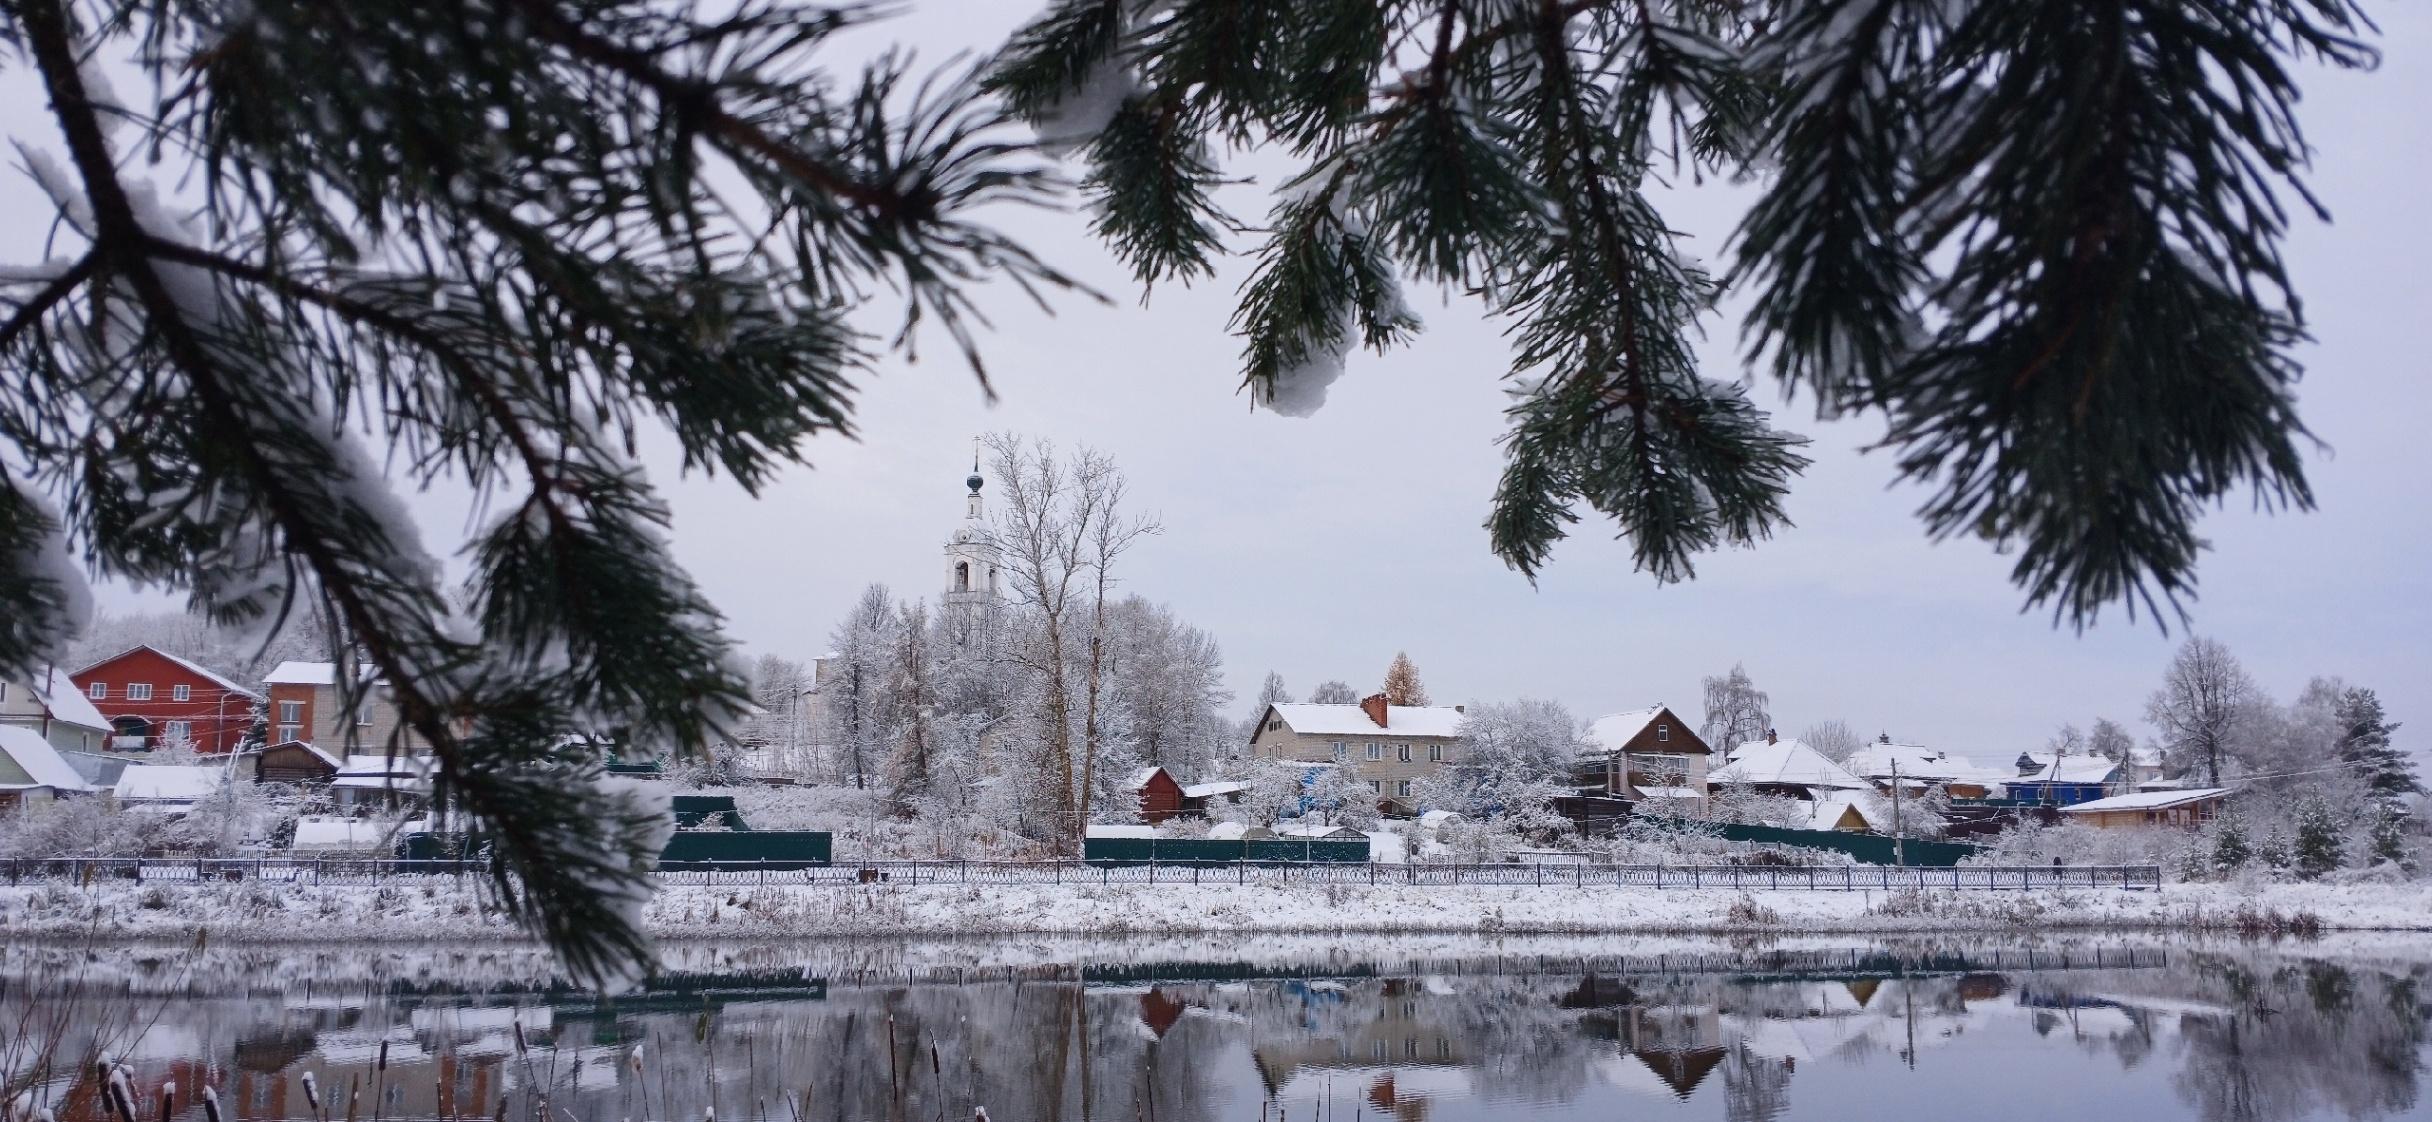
column 1160, row 795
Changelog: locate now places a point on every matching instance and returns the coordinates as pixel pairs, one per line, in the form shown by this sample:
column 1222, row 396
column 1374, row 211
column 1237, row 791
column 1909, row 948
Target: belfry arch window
column 962, row 576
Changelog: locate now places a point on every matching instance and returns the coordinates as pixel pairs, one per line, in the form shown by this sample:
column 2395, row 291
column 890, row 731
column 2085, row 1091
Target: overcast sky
column 1318, row 547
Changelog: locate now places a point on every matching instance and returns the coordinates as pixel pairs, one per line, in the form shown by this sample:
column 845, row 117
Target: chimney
column 1460, row 709
column 1771, row 737
column 1374, row 706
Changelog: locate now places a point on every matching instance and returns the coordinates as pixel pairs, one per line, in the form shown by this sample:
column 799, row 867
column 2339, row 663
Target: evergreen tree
column 2318, row 845
column 2230, row 850
column 2364, row 745
column 1402, row 686
column 2390, row 838
column 2035, row 237
column 911, row 773
column 2274, row 852
column 500, row 238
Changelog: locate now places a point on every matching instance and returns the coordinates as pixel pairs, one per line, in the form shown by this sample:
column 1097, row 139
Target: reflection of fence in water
column 1846, row 878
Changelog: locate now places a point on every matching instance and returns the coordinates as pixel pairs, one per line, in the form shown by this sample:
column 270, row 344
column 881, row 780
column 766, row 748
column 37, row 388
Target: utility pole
column 1899, row 843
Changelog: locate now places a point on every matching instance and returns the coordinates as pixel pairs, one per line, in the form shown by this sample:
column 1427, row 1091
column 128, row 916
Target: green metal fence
column 777, row 849
column 1866, row 848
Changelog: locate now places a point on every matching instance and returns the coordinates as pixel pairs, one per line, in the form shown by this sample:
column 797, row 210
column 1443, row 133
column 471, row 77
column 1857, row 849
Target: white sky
column 1319, row 547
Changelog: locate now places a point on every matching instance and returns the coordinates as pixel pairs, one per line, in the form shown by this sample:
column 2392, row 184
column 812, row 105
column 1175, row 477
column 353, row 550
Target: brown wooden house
column 294, row 762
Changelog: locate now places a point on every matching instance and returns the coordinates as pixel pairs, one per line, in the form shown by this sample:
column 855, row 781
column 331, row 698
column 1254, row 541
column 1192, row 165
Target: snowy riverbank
column 452, row 911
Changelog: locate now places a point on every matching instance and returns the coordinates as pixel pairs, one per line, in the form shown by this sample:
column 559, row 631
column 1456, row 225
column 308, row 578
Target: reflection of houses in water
column 1678, row 1044
column 1417, row 1051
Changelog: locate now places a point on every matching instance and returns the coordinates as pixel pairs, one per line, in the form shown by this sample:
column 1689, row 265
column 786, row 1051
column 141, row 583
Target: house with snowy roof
column 49, row 703
column 167, row 788
column 32, row 771
column 2062, row 779
column 154, row 699
column 1791, row 768
column 1389, row 747
column 1916, row 768
column 2185, row 808
column 1644, row 753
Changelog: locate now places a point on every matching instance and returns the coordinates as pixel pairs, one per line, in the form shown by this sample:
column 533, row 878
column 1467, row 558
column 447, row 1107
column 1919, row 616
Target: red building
column 1160, row 795
column 152, row 698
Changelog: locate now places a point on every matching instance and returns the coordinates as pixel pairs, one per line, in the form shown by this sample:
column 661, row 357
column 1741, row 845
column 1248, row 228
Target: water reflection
column 2237, row 1034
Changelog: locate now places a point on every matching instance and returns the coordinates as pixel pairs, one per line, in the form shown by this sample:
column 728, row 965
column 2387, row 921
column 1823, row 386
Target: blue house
column 2062, row 780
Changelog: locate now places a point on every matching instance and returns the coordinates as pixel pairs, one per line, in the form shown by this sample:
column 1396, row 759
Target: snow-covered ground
column 449, row 910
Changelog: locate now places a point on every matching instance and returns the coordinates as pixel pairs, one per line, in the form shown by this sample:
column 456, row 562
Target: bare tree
column 1060, row 528
column 1833, row 739
column 1736, row 711
column 2205, row 702
column 2110, row 739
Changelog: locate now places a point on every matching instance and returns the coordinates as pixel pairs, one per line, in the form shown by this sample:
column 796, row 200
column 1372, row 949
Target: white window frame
column 1376, row 751
column 178, row 730
column 1377, row 786
column 181, row 693
column 1663, row 732
column 139, row 691
column 1402, row 752
column 363, row 715
column 290, row 732
column 1435, row 753
column 291, row 714
column 98, row 691
column 1401, row 788
column 1342, row 752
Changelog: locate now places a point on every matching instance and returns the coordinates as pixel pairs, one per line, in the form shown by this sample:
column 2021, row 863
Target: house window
column 291, row 712
column 1663, row 732
column 1377, row 786
column 181, row 693
column 97, row 690
column 288, row 733
column 179, row 730
column 1341, row 752
column 363, row 716
column 1435, row 753
column 139, row 691
column 1403, row 752
column 1402, row 788
column 1376, row 751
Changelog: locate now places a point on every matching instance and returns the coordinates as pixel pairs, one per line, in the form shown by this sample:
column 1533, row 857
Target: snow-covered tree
column 1338, row 798
column 2109, row 739
column 2388, row 839
column 1930, row 256
column 865, row 644
column 2318, row 847
column 2205, row 708
column 2230, row 849
column 911, row 768
column 1736, row 711
column 1515, row 757
column 1402, row 686
column 2364, row 745
column 1274, row 791
column 1333, row 691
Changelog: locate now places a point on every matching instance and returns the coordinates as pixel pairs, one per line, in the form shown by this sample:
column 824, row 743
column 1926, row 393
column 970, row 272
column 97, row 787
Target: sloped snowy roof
column 217, row 678
column 1786, row 762
column 1875, row 761
column 66, row 700
column 385, row 773
column 1828, row 811
column 1210, row 790
column 1239, row 831
column 315, row 749
column 1315, row 830
column 1351, row 720
column 169, row 783
column 2147, row 800
column 321, row 833
column 303, row 674
column 2068, row 769
column 1141, row 777
column 1119, row 830
column 38, row 759
column 1613, row 730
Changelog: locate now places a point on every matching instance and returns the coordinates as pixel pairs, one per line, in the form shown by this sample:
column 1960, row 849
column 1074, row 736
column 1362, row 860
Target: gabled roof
column 1212, row 789
column 308, row 674
column 1613, row 731
column 309, row 746
column 38, row 759
column 65, row 700
column 216, row 678
column 2148, row 800
column 1141, row 777
column 2068, row 769
column 1118, row 830
column 168, row 782
column 1788, row 762
column 1830, row 809
column 1875, row 761
column 1350, row 720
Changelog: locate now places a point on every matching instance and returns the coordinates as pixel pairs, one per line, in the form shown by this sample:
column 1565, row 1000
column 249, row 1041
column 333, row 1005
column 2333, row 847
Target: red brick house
column 153, row 698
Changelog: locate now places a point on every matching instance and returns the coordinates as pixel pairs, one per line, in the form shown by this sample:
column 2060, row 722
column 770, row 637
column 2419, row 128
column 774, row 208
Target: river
column 1245, row 1029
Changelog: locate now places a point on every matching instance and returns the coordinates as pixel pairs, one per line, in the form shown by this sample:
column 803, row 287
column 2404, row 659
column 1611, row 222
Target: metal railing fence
column 351, row 870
